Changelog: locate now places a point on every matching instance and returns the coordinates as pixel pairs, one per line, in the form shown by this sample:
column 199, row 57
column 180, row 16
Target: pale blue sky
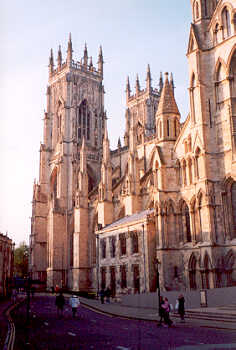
column 132, row 33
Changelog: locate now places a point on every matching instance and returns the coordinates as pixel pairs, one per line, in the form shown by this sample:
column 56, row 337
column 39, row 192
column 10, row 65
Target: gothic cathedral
column 104, row 217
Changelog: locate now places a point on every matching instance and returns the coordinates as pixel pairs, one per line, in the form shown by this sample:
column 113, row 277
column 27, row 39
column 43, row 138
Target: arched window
column 168, row 127
column 190, row 171
column 175, row 127
column 192, row 272
column 201, row 218
column 186, row 223
column 197, row 161
column 160, row 129
column 83, row 121
column 206, row 273
column 226, row 23
column 233, row 75
column 220, row 89
column 184, row 172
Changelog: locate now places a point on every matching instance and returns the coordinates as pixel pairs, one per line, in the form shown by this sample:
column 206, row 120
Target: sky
column 133, row 34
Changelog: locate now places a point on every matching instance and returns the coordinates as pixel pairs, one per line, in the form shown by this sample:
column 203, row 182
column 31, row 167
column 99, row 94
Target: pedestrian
column 161, row 311
column 60, row 302
column 108, row 295
column 74, row 303
column 102, row 295
column 181, row 309
column 166, row 314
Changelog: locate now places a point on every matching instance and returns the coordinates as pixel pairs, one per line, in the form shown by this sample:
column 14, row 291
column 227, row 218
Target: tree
column 21, row 258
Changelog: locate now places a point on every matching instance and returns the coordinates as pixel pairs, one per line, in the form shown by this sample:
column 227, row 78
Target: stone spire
column 167, row 103
column 106, row 147
column 148, row 79
column 160, row 83
column 51, row 63
column 85, row 56
column 119, row 143
column 69, row 51
column 137, row 86
column 100, row 61
column 127, row 89
column 59, row 57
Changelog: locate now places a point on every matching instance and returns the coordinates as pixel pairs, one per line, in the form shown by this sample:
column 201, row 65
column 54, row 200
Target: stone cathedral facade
column 102, row 218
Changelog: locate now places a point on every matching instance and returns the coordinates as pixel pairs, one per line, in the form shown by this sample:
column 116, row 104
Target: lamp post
column 157, row 263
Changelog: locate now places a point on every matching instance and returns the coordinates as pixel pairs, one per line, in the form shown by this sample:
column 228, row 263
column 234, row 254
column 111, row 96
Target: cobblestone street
column 93, row 330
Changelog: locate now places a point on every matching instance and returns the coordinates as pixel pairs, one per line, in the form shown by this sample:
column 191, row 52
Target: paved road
column 92, row 330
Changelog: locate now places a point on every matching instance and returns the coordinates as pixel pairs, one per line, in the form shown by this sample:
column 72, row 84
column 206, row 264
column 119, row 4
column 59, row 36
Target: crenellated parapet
column 85, row 64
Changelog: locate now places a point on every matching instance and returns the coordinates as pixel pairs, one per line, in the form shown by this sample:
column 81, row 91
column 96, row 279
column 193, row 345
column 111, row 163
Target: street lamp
column 157, row 263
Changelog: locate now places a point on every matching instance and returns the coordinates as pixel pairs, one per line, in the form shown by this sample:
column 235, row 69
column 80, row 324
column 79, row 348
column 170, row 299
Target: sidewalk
column 223, row 317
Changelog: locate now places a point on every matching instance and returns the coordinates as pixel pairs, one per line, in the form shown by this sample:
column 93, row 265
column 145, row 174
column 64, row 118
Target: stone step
column 213, row 316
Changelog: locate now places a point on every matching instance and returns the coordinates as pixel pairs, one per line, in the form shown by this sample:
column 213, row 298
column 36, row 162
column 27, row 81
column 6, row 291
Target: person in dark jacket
column 60, row 302
column 181, row 309
column 102, row 295
column 108, row 294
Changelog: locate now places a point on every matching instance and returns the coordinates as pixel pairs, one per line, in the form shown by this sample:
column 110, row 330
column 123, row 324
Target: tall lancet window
column 226, row 23
column 83, row 121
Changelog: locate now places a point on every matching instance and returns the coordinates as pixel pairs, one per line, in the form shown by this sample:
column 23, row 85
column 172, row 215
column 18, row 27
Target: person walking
column 108, row 295
column 181, row 309
column 102, row 295
column 166, row 314
column 161, row 311
column 60, row 302
column 74, row 303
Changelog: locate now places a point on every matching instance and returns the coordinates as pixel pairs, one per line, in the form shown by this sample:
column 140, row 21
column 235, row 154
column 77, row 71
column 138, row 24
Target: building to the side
column 6, row 264
column 103, row 218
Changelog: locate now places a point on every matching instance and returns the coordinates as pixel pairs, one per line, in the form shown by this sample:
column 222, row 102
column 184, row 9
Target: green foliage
column 21, row 258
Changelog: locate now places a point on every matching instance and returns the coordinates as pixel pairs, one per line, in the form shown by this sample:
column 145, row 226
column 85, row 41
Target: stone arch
column 192, row 270
column 226, row 20
column 220, row 64
column 229, row 268
column 185, row 226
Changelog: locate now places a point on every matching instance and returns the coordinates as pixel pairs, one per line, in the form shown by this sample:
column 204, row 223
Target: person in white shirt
column 74, row 303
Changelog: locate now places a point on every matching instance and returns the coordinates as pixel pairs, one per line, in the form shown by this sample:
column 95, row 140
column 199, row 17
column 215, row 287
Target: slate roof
column 128, row 219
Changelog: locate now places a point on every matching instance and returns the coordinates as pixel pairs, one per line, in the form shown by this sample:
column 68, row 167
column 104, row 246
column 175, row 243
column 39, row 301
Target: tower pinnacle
column 127, row 89
column 85, row 56
column 69, row 50
column 100, row 61
column 59, row 57
column 137, row 85
column 51, row 62
column 148, row 79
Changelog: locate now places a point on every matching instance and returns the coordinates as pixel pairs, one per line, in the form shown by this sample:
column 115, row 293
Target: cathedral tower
column 75, row 112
